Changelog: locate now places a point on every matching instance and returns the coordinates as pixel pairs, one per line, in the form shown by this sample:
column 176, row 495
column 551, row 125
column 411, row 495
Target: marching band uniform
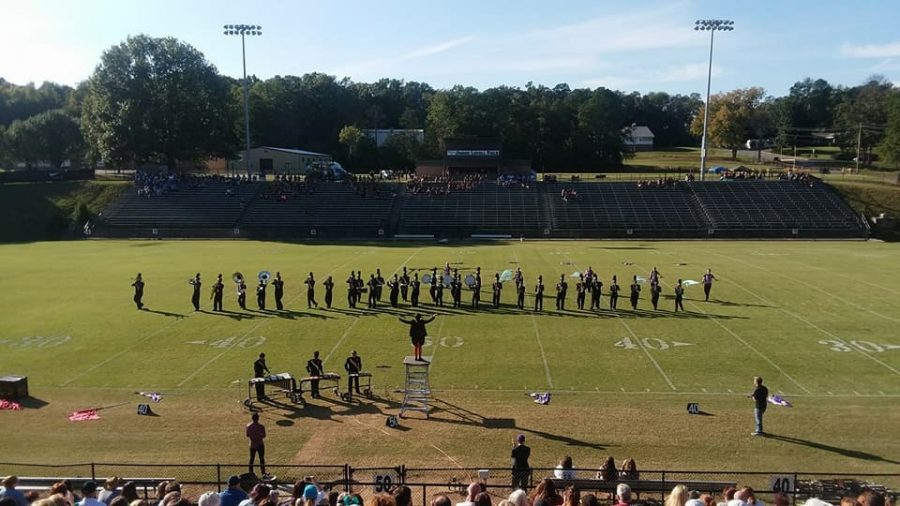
column 496, row 288
column 138, row 291
column 259, row 371
column 439, row 293
column 394, row 285
column 353, row 366
column 707, row 283
column 278, row 283
column 432, row 289
column 195, row 297
column 613, row 294
column 261, row 295
column 416, row 286
column 404, row 285
column 596, row 289
column 351, row 291
column 561, row 288
column 655, row 290
column 242, row 295
column 380, row 285
column 476, row 289
column 539, row 294
column 635, row 293
column 329, row 291
column 580, row 291
column 654, row 276
column 315, row 370
column 218, row 290
column 373, row 294
column 311, row 291
column 679, row 295
column 456, row 290
column 520, row 294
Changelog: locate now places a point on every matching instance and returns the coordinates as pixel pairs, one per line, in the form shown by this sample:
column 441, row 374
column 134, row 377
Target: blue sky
column 626, row 45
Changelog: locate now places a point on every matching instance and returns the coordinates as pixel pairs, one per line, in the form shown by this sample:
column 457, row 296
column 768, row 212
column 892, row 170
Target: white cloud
column 888, row 50
column 687, row 72
column 435, row 49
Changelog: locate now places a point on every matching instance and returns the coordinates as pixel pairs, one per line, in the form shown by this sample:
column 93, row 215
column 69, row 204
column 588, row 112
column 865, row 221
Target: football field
column 817, row 320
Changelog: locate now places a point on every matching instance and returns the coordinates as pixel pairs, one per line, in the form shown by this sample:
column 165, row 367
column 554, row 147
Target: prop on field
column 779, row 401
column 575, row 274
column 506, row 275
column 689, row 282
column 84, row 415
column 10, row 405
column 392, row 422
column 693, row 408
column 154, row 396
column 144, row 410
column 641, row 280
column 626, row 262
column 540, row 397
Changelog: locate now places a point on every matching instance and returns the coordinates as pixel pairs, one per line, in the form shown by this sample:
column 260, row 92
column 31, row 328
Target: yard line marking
column 647, row 352
column 436, row 340
column 124, row 351
column 340, row 341
column 816, row 327
column 537, row 335
column 814, row 287
column 252, row 330
column 855, row 280
column 745, row 343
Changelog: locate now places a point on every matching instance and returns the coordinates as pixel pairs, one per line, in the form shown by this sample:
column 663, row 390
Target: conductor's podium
column 417, row 389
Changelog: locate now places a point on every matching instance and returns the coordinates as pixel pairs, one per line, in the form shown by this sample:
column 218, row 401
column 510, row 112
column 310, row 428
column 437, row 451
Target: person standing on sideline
column 760, row 396
column 217, row 292
column 521, row 471
column 314, row 368
column 707, row 283
column 138, row 291
column 279, row 291
column 329, row 291
column 259, row 371
column 195, row 296
column 679, row 296
column 256, row 433
column 417, row 333
column 353, row 366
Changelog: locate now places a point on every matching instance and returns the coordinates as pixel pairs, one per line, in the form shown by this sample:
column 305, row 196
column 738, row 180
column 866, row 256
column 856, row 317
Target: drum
column 426, row 279
column 470, row 280
column 448, row 280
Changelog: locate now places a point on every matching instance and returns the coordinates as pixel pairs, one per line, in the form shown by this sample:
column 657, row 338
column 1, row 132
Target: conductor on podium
column 353, row 366
column 417, row 333
column 259, row 371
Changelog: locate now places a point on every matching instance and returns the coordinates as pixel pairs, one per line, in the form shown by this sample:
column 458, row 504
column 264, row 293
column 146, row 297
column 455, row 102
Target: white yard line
column 537, row 336
column 341, row 340
column 647, row 352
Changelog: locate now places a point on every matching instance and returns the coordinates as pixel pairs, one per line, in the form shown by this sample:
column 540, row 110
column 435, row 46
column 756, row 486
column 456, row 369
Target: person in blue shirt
column 9, row 490
column 233, row 495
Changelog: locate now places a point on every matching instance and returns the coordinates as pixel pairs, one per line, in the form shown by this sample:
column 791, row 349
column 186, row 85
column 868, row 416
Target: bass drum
column 470, row 280
column 427, row 279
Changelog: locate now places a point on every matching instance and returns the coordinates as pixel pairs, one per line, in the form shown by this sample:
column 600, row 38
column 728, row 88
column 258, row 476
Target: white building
column 638, row 138
column 271, row 160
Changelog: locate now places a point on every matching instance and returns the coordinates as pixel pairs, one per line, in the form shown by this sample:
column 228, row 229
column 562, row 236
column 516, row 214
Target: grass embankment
column 42, row 211
column 872, row 199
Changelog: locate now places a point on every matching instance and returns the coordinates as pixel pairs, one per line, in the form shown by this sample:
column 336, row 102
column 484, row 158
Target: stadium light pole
column 712, row 26
column 243, row 30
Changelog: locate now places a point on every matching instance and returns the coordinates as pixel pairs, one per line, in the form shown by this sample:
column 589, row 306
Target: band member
column 456, row 289
column 242, row 295
column 329, row 291
column 315, row 370
column 539, row 294
column 394, row 285
column 279, row 291
column 654, row 276
column 259, row 371
column 589, row 276
column 496, row 290
column 596, row 289
column 635, row 292
column 416, row 286
column 520, row 294
column 561, row 288
column 311, row 291
column 351, row 291
column 417, row 333
column 195, row 296
column 518, row 278
column 138, row 291
column 679, row 295
column 613, row 293
column 380, row 285
column 353, row 366
column 217, row 291
column 439, row 293
column 447, row 269
column 261, row 295
column 476, row 289
column 707, row 283
column 404, row 285
column 432, row 290
column 373, row 293
column 580, row 291
column 655, row 290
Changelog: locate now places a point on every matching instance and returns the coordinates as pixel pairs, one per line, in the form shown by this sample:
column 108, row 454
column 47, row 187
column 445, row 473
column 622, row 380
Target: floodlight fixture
column 712, row 26
column 243, row 30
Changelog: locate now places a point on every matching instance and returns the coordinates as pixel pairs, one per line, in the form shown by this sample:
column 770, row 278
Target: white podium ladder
column 417, row 389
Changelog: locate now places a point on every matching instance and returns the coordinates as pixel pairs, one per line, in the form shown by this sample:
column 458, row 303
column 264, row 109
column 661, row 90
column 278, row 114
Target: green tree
column 51, row 136
column 157, row 99
column 890, row 145
column 351, row 136
column 733, row 117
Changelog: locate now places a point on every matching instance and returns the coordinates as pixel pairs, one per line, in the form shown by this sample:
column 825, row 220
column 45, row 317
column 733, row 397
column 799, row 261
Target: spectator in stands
column 849, row 501
column 441, row 500
column 545, row 494
column 571, row 497
column 474, row 489
column 129, row 491
column 623, row 494
column 869, row 497
column 727, row 495
column 629, row 470
column 9, row 490
column 564, row 470
column 482, row 499
column 781, row 499
column 59, row 488
column 694, row 499
column 119, row 501
column 110, row 490
column 608, row 470
column 209, row 499
column 259, row 496
column 233, row 495
column 746, row 497
column 678, row 496
column 383, row 500
column 518, row 497
column 89, row 495
column 709, row 500
column 402, row 496
column 589, row 500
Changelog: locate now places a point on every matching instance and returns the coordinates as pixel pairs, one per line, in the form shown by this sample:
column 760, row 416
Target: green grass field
column 816, row 319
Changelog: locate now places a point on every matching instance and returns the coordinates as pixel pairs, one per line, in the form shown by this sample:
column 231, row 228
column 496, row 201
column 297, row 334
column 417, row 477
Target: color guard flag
column 541, row 397
column 84, row 414
column 506, row 275
column 779, row 401
column 155, row 397
column 690, row 282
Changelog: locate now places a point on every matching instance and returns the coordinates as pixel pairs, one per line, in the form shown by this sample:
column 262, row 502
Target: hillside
column 873, row 199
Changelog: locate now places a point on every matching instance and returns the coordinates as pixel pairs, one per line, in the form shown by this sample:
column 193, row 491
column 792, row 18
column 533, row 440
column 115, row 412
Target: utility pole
column 858, row 143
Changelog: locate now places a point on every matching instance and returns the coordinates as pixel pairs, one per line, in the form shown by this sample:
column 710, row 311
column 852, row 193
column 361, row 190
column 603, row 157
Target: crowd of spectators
column 656, row 183
column 515, row 181
column 285, row 187
column 445, row 184
column 157, row 184
column 568, row 194
column 800, row 177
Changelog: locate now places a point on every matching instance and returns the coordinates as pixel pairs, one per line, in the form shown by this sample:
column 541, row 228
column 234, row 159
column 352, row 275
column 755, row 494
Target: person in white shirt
column 564, row 470
column 89, row 495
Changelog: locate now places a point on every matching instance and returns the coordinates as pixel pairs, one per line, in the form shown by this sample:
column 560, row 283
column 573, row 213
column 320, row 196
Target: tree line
column 158, row 100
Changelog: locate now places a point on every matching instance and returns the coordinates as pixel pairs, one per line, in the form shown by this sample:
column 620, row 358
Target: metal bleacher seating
column 775, row 209
column 486, row 209
column 623, row 210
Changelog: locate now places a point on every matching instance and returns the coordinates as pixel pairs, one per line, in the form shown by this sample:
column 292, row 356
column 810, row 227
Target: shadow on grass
column 845, row 452
column 293, row 315
column 163, row 313
column 32, row 403
column 238, row 316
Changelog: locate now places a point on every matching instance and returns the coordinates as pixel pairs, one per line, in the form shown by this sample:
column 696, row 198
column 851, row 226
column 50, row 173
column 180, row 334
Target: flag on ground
column 541, row 397
column 779, row 401
column 84, row 414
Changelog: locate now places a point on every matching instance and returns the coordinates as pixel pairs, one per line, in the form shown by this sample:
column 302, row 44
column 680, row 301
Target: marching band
column 403, row 288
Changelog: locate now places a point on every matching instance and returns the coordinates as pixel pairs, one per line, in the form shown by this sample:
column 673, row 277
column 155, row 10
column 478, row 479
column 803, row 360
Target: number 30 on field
column 863, row 346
